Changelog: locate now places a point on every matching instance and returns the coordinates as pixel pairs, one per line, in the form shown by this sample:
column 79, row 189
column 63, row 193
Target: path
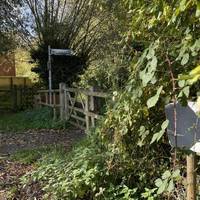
column 12, row 142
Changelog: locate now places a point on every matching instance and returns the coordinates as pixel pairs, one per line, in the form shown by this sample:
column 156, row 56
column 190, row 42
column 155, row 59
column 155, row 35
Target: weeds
column 40, row 118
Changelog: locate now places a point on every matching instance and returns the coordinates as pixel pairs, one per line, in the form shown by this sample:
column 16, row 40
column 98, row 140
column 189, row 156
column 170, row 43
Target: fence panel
column 16, row 98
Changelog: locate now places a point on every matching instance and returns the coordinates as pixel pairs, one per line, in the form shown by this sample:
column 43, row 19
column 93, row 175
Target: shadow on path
column 11, row 142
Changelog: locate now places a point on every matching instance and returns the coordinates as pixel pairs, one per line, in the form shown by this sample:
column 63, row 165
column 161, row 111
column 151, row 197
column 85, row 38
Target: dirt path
column 11, row 171
column 12, row 142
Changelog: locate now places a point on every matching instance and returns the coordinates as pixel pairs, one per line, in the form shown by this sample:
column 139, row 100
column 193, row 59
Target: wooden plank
column 87, row 92
column 47, row 91
column 96, row 116
column 77, row 109
column 78, row 118
column 90, row 114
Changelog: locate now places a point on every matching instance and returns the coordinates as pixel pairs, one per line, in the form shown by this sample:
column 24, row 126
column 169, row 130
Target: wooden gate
column 80, row 107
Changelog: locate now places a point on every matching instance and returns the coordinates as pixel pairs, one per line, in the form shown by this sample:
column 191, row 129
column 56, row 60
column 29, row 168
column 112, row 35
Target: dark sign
column 187, row 125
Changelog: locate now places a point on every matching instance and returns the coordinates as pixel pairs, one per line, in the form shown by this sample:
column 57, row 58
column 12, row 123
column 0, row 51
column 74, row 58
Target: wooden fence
column 8, row 82
column 79, row 107
column 16, row 98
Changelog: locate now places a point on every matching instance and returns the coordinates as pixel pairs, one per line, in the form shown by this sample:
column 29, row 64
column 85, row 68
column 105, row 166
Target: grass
column 40, row 118
column 31, row 156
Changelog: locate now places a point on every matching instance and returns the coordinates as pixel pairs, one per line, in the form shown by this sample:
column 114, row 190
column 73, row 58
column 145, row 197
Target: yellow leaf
column 185, row 77
column 195, row 71
column 194, row 79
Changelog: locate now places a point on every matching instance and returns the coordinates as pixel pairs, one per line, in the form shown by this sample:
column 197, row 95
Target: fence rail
column 78, row 106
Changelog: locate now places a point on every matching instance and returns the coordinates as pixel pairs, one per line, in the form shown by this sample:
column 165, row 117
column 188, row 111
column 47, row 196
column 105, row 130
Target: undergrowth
column 84, row 174
column 32, row 156
column 40, row 118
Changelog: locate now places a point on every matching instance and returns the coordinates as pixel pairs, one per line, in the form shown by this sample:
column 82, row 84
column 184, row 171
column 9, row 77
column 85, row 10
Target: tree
column 7, row 21
column 79, row 25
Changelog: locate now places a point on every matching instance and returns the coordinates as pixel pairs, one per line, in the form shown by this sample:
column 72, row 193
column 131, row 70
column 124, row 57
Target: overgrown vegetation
column 128, row 155
column 40, row 118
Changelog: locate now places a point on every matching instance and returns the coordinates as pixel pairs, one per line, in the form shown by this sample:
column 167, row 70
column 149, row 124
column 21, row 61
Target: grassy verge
column 40, row 118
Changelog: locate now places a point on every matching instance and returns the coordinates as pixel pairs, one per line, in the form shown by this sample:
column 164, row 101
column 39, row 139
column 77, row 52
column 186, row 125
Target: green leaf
column 183, row 5
column 154, row 63
column 186, row 91
column 163, row 187
column 151, row 53
column 158, row 182
column 170, row 186
column 154, row 138
column 181, row 83
column 198, row 9
column 164, row 124
column 153, row 100
column 176, row 173
column 157, row 136
column 166, row 174
column 185, row 59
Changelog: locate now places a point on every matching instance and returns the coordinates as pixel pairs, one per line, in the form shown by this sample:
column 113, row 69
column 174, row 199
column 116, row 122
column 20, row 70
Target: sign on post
column 62, row 52
column 187, row 126
column 57, row 52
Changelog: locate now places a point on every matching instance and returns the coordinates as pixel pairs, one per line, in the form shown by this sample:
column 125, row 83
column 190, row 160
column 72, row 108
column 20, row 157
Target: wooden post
column 191, row 176
column 54, row 106
column 67, row 110
column 92, row 106
column 87, row 119
column 61, row 97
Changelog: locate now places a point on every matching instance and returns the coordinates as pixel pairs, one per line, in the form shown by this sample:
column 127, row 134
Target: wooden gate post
column 92, row 106
column 87, row 118
column 66, row 101
column 62, row 100
column 54, row 106
column 191, row 176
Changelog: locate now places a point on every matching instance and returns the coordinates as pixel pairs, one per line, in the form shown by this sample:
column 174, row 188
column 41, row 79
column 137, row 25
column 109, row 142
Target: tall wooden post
column 54, row 106
column 92, row 106
column 67, row 110
column 87, row 119
column 191, row 176
column 62, row 100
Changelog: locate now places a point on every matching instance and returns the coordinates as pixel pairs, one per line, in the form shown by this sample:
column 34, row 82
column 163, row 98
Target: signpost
column 187, row 137
column 56, row 52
